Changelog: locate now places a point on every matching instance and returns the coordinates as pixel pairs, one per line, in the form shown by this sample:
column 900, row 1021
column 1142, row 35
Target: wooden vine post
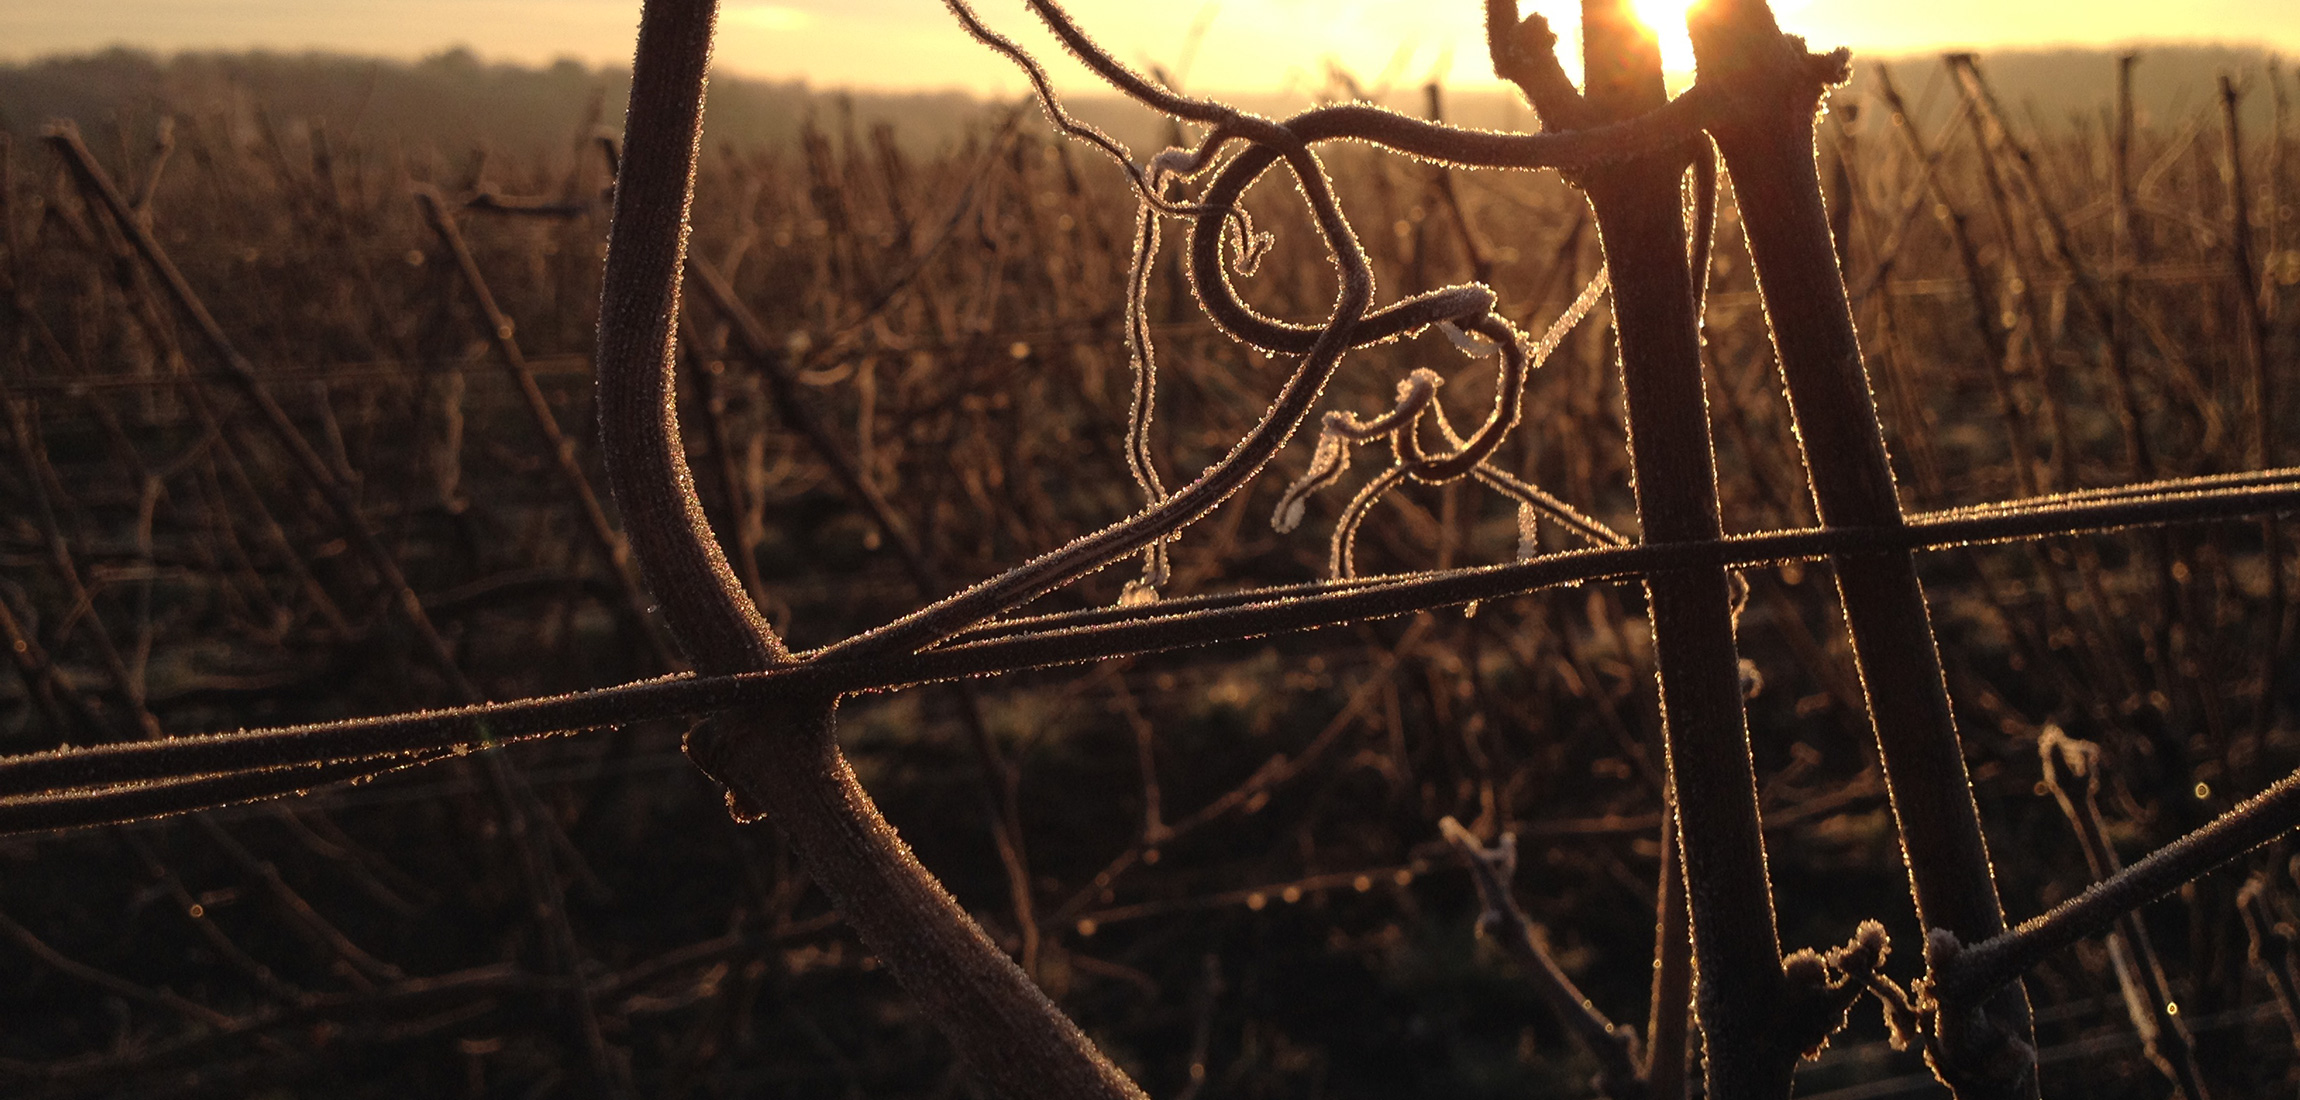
column 1771, row 88
column 1639, row 208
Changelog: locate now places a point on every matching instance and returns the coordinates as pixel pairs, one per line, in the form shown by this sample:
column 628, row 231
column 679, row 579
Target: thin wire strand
column 1057, row 640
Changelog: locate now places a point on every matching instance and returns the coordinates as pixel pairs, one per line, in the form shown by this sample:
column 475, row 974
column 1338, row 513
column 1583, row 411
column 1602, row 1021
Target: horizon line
column 2267, row 51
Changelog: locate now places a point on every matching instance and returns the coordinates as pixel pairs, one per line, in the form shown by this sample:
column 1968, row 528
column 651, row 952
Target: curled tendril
column 1467, row 344
column 1144, row 355
column 1462, row 310
column 1401, row 425
column 1288, row 409
column 1518, row 362
column 1341, row 554
column 1414, row 395
column 1339, row 431
column 1327, row 465
column 1262, row 143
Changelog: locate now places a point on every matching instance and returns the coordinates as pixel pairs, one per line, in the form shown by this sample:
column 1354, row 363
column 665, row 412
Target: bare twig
column 1616, row 1048
column 2072, row 769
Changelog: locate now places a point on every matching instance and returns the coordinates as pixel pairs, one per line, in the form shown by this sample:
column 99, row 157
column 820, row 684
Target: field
column 1225, row 863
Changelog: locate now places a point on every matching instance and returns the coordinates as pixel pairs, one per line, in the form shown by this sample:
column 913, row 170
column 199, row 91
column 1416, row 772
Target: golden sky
column 1250, row 45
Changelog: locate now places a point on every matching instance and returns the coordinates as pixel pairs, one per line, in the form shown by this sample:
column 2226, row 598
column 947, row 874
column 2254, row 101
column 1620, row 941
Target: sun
column 1667, row 19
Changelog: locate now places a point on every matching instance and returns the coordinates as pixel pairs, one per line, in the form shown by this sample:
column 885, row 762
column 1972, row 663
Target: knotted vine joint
column 1972, row 1052
column 732, row 761
column 708, row 747
column 1822, row 989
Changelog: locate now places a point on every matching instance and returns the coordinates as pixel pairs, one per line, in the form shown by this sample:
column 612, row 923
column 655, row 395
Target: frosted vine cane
column 782, row 758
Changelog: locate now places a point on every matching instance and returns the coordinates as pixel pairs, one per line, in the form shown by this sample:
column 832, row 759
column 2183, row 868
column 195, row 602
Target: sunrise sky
column 1251, row 45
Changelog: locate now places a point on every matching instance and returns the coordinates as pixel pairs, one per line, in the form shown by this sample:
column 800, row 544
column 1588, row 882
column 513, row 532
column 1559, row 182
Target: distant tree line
column 455, row 102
